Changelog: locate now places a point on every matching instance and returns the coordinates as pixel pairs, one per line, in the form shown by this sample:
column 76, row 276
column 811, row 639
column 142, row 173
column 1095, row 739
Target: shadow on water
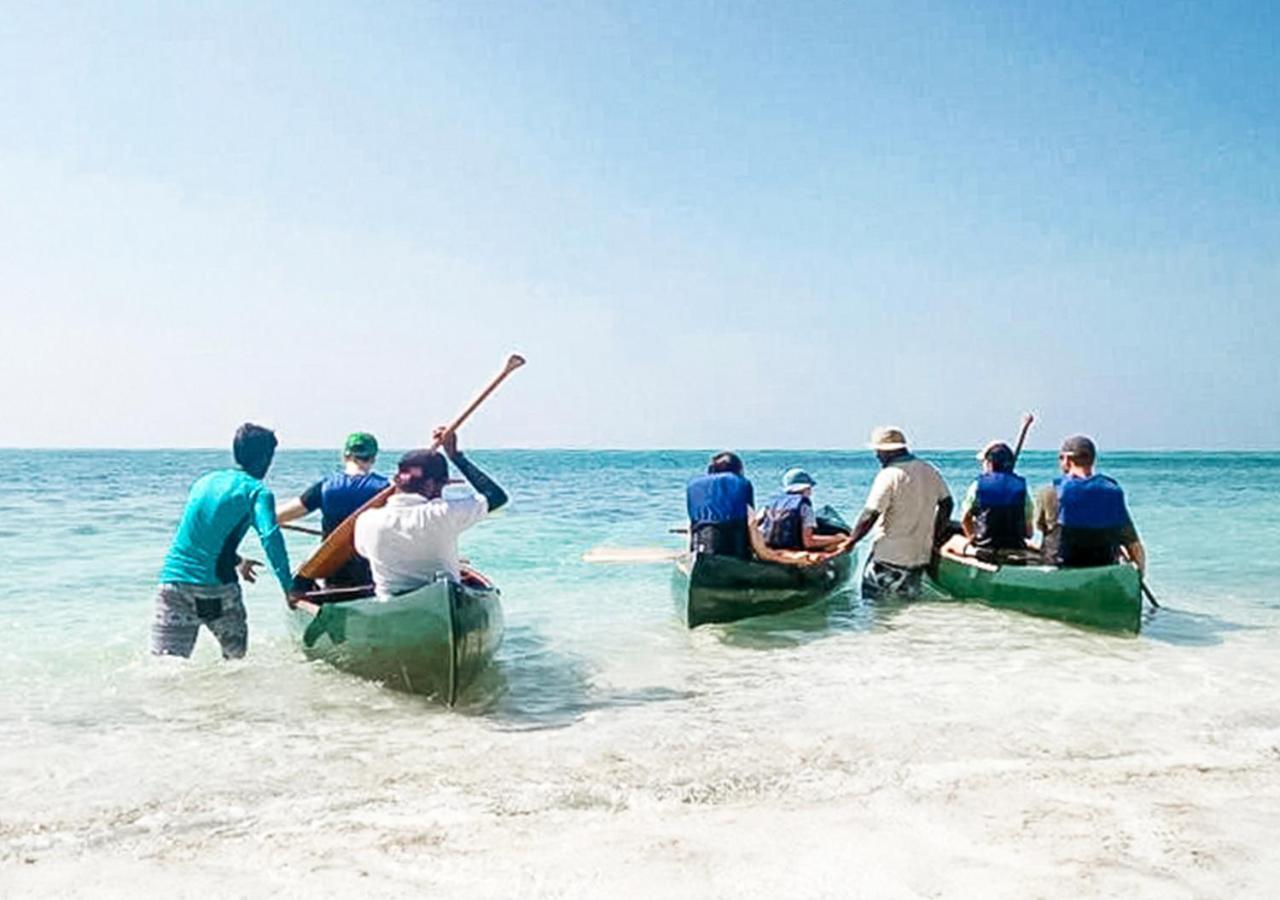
column 1183, row 628
column 532, row 686
column 841, row 611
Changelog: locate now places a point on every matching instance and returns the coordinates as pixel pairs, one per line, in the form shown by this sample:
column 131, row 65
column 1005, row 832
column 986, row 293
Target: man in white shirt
column 909, row 505
column 413, row 539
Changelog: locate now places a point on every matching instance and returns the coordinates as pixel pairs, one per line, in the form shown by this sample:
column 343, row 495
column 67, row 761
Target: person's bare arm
column 1137, row 553
column 862, row 527
column 287, row 512
column 967, row 524
column 821, row 541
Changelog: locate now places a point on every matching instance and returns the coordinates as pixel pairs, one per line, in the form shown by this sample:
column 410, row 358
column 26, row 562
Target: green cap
column 361, row 444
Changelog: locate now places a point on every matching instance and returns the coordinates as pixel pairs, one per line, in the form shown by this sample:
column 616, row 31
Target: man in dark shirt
column 339, row 495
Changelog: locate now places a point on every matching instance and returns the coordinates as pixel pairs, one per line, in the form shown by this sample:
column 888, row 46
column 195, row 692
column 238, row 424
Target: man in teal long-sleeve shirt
column 198, row 583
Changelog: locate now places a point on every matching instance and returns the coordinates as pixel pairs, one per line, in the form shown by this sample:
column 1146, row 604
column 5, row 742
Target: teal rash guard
column 221, row 507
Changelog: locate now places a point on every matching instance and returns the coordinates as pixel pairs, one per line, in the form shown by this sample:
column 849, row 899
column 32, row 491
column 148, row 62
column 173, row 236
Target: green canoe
column 725, row 589
column 1106, row 597
column 433, row 640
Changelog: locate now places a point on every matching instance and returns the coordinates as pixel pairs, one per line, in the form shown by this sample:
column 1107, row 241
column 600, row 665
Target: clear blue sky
column 704, row 224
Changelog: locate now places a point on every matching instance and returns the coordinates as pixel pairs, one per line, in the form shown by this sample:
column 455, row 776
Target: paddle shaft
column 288, row 526
column 1022, row 436
column 339, row 546
column 1146, row 592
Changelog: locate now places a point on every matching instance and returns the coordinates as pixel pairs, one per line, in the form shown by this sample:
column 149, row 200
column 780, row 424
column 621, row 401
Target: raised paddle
column 339, row 546
column 1027, row 419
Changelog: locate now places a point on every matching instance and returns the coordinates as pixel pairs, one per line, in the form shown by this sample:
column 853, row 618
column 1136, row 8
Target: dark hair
column 254, row 447
column 725, row 462
column 433, row 465
column 1001, row 458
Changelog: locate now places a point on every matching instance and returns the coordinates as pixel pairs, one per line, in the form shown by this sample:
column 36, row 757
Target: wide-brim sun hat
column 796, row 479
column 887, row 437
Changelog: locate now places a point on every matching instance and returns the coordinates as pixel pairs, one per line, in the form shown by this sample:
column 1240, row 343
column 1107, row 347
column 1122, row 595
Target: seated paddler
column 997, row 509
column 340, row 494
column 1092, row 526
column 413, row 539
column 721, row 509
column 789, row 522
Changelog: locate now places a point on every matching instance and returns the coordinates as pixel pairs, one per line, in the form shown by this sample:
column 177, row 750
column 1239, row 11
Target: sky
column 704, row 224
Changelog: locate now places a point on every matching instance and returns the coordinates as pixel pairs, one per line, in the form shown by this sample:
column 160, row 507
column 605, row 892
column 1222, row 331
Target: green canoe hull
column 718, row 589
column 434, row 640
column 1106, row 598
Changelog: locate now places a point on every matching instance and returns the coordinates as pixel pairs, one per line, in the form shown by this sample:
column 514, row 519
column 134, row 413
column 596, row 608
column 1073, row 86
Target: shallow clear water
column 903, row 751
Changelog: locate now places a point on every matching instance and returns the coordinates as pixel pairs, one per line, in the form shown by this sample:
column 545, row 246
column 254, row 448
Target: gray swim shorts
column 182, row 608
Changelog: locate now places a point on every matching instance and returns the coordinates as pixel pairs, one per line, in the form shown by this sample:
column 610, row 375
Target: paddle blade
column 629, row 555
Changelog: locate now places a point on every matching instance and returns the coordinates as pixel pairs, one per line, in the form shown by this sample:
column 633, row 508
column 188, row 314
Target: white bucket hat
column 888, row 438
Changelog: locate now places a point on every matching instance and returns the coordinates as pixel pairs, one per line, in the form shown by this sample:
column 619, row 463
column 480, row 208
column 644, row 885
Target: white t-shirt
column 906, row 493
column 412, row 539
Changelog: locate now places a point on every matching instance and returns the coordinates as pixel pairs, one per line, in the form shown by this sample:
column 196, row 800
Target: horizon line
column 84, row 448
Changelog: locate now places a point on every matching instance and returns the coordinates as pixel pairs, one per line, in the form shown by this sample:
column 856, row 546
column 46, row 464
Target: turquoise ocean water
column 610, row 748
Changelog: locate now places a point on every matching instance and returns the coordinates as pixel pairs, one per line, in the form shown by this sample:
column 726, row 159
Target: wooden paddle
column 1027, row 419
column 339, row 546
column 630, row 555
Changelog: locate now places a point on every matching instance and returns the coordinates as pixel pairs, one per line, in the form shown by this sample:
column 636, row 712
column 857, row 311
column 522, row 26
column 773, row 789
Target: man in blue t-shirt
column 198, row 583
column 339, row 495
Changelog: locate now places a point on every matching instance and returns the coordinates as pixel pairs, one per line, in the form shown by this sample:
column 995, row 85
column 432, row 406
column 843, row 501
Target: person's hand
column 246, row 567
column 292, row 598
column 448, row 440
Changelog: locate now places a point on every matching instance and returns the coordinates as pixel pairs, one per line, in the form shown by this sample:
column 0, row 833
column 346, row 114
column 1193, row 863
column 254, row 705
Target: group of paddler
column 386, row 538
column 1082, row 516
column 405, row 531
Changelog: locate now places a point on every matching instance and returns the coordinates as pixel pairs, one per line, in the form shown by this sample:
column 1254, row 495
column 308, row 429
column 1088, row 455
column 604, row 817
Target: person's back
column 784, row 520
column 1000, row 511
column 906, row 493
column 413, row 539
column 198, row 581
column 1093, row 521
column 719, row 505
column 220, row 508
column 341, row 493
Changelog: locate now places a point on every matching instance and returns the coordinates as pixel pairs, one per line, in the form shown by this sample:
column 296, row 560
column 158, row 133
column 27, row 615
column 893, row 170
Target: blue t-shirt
column 220, row 508
column 339, row 495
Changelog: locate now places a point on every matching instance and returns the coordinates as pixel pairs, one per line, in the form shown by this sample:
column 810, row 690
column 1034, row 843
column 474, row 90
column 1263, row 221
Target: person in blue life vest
column 789, row 521
column 722, row 516
column 721, row 508
column 1083, row 514
column 198, row 582
column 997, row 509
column 339, row 495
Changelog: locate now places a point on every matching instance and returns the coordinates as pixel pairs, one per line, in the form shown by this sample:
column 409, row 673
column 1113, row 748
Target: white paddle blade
column 629, row 555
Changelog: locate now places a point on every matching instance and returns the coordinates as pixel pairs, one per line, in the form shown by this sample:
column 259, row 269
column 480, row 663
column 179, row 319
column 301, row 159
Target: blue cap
column 797, row 479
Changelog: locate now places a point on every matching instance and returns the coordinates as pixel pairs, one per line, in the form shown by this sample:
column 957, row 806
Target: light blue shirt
column 221, row 507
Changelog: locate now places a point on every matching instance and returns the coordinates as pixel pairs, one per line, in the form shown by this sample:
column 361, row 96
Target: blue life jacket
column 722, row 497
column 342, row 494
column 1000, row 513
column 717, row 506
column 784, row 521
column 1092, row 520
